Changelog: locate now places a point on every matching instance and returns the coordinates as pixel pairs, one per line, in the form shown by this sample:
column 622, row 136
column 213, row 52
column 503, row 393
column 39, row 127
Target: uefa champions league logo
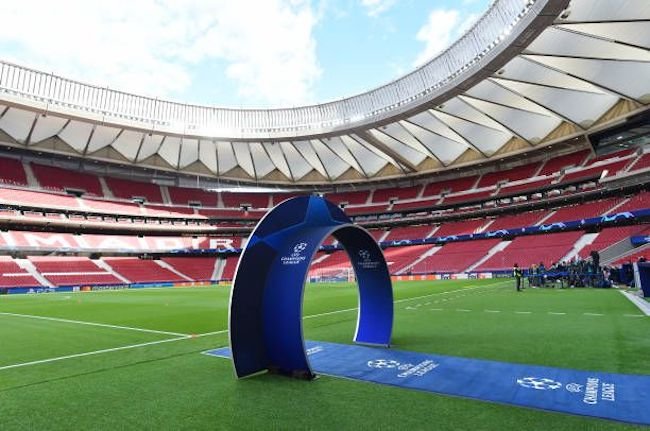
column 366, row 261
column 404, row 370
column 297, row 256
column 299, row 248
column 383, row 363
column 539, row 383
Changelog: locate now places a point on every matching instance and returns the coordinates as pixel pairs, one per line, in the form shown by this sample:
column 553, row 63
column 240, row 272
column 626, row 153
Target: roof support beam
column 607, row 89
column 28, row 139
column 368, row 137
column 467, row 141
column 552, row 111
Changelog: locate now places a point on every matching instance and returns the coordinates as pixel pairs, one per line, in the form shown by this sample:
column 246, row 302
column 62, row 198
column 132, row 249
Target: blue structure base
column 617, row 397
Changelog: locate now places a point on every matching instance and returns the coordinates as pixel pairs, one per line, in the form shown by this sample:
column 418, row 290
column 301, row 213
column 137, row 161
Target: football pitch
column 131, row 359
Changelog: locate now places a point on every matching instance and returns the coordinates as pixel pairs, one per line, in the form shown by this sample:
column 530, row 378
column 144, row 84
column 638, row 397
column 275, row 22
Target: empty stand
column 529, row 250
column 610, row 236
column 62, row 179
column 459, row 227
column 196, row 268
column 366, row 209
column 556, row 164
column 516, row 220
column 185, row 196
column 72, row 271
column 168, row 211
column 336, row 261
column 229, row 213
column 12, row 172
column 420, row 203
column 636, row 202
column 584, row 210
column 398, row 258
column 596, row 171
column 38, row 199
column 126, row 189
column 252, row 200
column 610, row 156
column 280, row 197
column 514, row 174
column 455, row 185
column 467, row 197
column 642, row 162
column 409, row 232
column 402, row 193
column 350, row 198
column 454, row 257
column 112, row 207
column 12, row 275
column 141, row 270
column 531, row 186
column 229, row 268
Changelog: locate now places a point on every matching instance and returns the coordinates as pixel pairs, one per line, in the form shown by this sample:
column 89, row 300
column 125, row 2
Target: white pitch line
column 95, row 352
column 206, row 334
column 436, row 309
column 523, row 312
column 464, row 310
column 112, row 349
column 402, row 300
column 179, row 336
column 450, row 291
column 641, row 304
column 103, row 325
column 556, row 313
column 634, row 315
column 492, row 311
column 593, row 314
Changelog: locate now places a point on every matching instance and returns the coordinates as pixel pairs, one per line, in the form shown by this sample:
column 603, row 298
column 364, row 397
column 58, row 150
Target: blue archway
column 265, row 322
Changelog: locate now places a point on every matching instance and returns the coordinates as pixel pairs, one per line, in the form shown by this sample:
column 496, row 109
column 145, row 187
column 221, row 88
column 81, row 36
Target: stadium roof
column 528, row 74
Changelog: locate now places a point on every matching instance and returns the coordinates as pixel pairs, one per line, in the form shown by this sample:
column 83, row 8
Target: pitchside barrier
column 265, row 322
column 643, row 277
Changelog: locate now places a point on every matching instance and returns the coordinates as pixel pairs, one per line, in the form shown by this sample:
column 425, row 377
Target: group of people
column 575, row 273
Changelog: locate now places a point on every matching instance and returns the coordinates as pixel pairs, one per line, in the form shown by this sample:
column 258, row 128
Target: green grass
column 172, row 386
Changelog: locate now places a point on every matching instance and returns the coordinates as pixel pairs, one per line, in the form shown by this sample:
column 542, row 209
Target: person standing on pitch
column 516, row 272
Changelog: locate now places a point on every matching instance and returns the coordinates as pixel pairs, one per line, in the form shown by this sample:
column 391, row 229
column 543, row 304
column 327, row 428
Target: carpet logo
column 539, row 383
column 574, row 387
column 383, row 363
column 297, row 256
column 406, row 369
column 593, row 390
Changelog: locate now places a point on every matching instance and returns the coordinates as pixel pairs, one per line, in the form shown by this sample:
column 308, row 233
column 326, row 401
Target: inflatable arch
column 265, row 321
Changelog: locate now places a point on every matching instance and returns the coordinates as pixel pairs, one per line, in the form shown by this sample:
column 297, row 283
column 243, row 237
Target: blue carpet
column 618, row 397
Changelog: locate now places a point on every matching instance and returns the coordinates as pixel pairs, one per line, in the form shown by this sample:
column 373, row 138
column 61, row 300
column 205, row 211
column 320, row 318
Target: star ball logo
column 366, row 261
column 299, row 248
column 383, row 363
column 593, row 391
column 540, row 384
column 297, row 256
column 404, row 369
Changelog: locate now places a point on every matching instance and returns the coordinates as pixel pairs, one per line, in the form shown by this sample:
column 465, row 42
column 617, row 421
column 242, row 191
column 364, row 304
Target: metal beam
column 367, row 136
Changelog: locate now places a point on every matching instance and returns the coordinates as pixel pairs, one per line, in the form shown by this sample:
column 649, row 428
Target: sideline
column 82, row 322
column 489, row 286
column 178, row 336
column 639, row 302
